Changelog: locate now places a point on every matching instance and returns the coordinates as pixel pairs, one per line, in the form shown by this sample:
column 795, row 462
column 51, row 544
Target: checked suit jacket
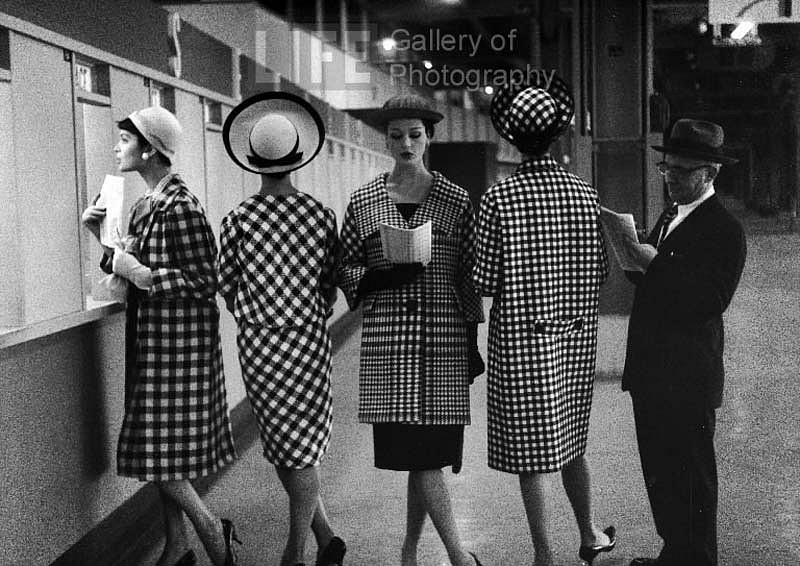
column 675, row 334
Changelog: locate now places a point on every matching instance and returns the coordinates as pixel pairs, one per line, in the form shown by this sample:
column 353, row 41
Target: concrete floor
column 758, row 452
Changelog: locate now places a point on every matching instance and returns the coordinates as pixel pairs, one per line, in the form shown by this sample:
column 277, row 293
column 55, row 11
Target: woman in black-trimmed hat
column 540, row 254
column 277, row 261
column 419, row 336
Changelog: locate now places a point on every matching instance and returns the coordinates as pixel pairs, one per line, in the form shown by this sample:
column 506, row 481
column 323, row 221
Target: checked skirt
column 286, row 372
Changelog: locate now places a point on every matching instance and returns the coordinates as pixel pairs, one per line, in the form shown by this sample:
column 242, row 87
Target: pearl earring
column 145, row 156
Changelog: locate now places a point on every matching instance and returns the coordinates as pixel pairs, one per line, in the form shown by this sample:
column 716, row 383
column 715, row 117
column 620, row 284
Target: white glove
column 127, row 266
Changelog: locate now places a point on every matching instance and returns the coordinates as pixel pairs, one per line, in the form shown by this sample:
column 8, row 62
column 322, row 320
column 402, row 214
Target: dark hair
column 534, row 146
column 128, row 125
column 276, row 176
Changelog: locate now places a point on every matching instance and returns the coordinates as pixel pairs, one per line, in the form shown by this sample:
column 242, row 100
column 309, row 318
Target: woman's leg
column 415, row 521
column 577, row 484
column 175, row 544
column 430, row 486
column 302, row 486
column 532, row 487
column 321, row 527
column 207, row 525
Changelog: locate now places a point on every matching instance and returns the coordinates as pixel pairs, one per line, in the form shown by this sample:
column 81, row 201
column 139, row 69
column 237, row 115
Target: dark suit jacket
column 675, row 333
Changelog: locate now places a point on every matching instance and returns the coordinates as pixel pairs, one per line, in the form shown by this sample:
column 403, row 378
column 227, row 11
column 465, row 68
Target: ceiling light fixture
column 742, row 30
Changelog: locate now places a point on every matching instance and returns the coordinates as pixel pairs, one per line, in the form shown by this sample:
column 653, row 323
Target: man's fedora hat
column 531, row 115
column 697, row 139
column 406, row 106
column 273, row 132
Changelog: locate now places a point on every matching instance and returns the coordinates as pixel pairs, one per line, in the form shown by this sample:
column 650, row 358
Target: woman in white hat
column 176, row 425
column 419, row 349
column 278, row 252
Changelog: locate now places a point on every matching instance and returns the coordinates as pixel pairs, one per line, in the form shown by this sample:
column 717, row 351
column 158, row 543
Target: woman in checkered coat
column 540, row 255
column 176, row 425
column 419, row 335
column 278, row 253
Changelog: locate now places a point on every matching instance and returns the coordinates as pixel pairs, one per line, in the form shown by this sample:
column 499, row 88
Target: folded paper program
column 403, row 245
column 112, row 197
column 620, row 232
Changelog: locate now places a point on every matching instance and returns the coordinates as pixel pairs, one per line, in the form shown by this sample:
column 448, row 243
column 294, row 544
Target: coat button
column 579, row 324
column 538, row 328
column 411, row 305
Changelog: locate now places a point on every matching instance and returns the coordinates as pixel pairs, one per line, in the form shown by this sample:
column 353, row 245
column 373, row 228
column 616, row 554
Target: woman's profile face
column 128, row 152
column 407, row 140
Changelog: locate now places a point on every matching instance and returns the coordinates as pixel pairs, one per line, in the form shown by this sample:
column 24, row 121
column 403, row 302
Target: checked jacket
column 540, row 254
column 176, row 423
column 413, row 366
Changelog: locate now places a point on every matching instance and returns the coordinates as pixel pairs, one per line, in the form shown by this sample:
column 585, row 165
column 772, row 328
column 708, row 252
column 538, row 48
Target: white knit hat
column 160, row 127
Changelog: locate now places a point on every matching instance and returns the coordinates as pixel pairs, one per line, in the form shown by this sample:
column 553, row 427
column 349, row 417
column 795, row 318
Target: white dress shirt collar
column 685, row 210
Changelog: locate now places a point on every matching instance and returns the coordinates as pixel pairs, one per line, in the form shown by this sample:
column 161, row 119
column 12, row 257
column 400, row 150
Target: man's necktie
column 669, row 216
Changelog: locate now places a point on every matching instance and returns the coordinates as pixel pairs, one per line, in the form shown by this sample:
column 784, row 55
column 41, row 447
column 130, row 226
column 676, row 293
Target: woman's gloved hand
column 474, row 359
column 126, row 265
column 397, row 276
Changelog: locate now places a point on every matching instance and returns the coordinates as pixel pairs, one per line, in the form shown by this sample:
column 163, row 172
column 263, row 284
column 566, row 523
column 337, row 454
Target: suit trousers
column 676, row 447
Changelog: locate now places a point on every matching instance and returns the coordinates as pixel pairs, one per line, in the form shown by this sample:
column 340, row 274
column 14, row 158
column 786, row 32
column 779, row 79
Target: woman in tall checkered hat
column 278, row 253
column 176, row 425
column 419, row 337
column 540, row 254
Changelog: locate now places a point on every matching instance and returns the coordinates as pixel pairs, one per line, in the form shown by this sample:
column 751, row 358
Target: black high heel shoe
column 334, row 552
column 188, row 559
column 589, row 553
column 229, row 532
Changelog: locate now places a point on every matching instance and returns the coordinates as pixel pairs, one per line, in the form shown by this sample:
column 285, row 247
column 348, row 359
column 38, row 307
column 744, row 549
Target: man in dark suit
column 689, row 270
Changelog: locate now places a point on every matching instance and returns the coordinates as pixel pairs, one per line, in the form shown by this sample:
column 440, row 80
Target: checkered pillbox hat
column 530, row 116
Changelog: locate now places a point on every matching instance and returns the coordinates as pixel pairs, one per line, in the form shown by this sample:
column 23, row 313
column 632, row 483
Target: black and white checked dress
column 540, row 254
column 176, row 423
column 278, row 261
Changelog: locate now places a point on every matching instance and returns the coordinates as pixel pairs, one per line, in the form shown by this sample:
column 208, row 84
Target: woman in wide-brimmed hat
column 176, row 425
column 419, row 338
column 541, row 256
column 278, row 252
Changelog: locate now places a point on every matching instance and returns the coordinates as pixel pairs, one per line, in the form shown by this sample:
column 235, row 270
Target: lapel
column 386, row 211
column 686, row 231
column 161, row 201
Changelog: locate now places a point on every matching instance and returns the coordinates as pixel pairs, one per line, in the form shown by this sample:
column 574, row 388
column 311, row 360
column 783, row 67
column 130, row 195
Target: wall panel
column 190, row 159
column 11, row 295
column 45, row 165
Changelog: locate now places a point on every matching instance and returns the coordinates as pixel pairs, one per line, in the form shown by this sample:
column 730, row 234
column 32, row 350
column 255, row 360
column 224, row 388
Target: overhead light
column 488, row 89
column 742, row 30
column 427, row 64
column 388, row 43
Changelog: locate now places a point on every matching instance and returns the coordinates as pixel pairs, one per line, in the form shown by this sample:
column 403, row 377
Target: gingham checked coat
column 413, row 366
column 277, row 261
column 176, row 422
column 540, row 254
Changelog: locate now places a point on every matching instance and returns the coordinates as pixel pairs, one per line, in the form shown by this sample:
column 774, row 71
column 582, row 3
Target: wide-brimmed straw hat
column 697, row 139
column 273, row 132
column 160, row 128
column 406, row 106
column 532, row 114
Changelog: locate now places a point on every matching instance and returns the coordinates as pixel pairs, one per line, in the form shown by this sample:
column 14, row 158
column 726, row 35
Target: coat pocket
column 557, row 326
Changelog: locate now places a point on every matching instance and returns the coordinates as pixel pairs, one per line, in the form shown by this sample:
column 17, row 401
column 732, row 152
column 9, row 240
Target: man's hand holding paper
column 620, row 231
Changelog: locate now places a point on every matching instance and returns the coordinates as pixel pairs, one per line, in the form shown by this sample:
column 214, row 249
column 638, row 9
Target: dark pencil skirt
column 409, row 447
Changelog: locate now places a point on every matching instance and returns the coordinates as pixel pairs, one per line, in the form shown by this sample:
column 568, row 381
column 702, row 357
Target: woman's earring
column 145, row 156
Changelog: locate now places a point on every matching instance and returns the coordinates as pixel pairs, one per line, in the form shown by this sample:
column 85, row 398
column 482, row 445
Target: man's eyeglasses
column 666, row 169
